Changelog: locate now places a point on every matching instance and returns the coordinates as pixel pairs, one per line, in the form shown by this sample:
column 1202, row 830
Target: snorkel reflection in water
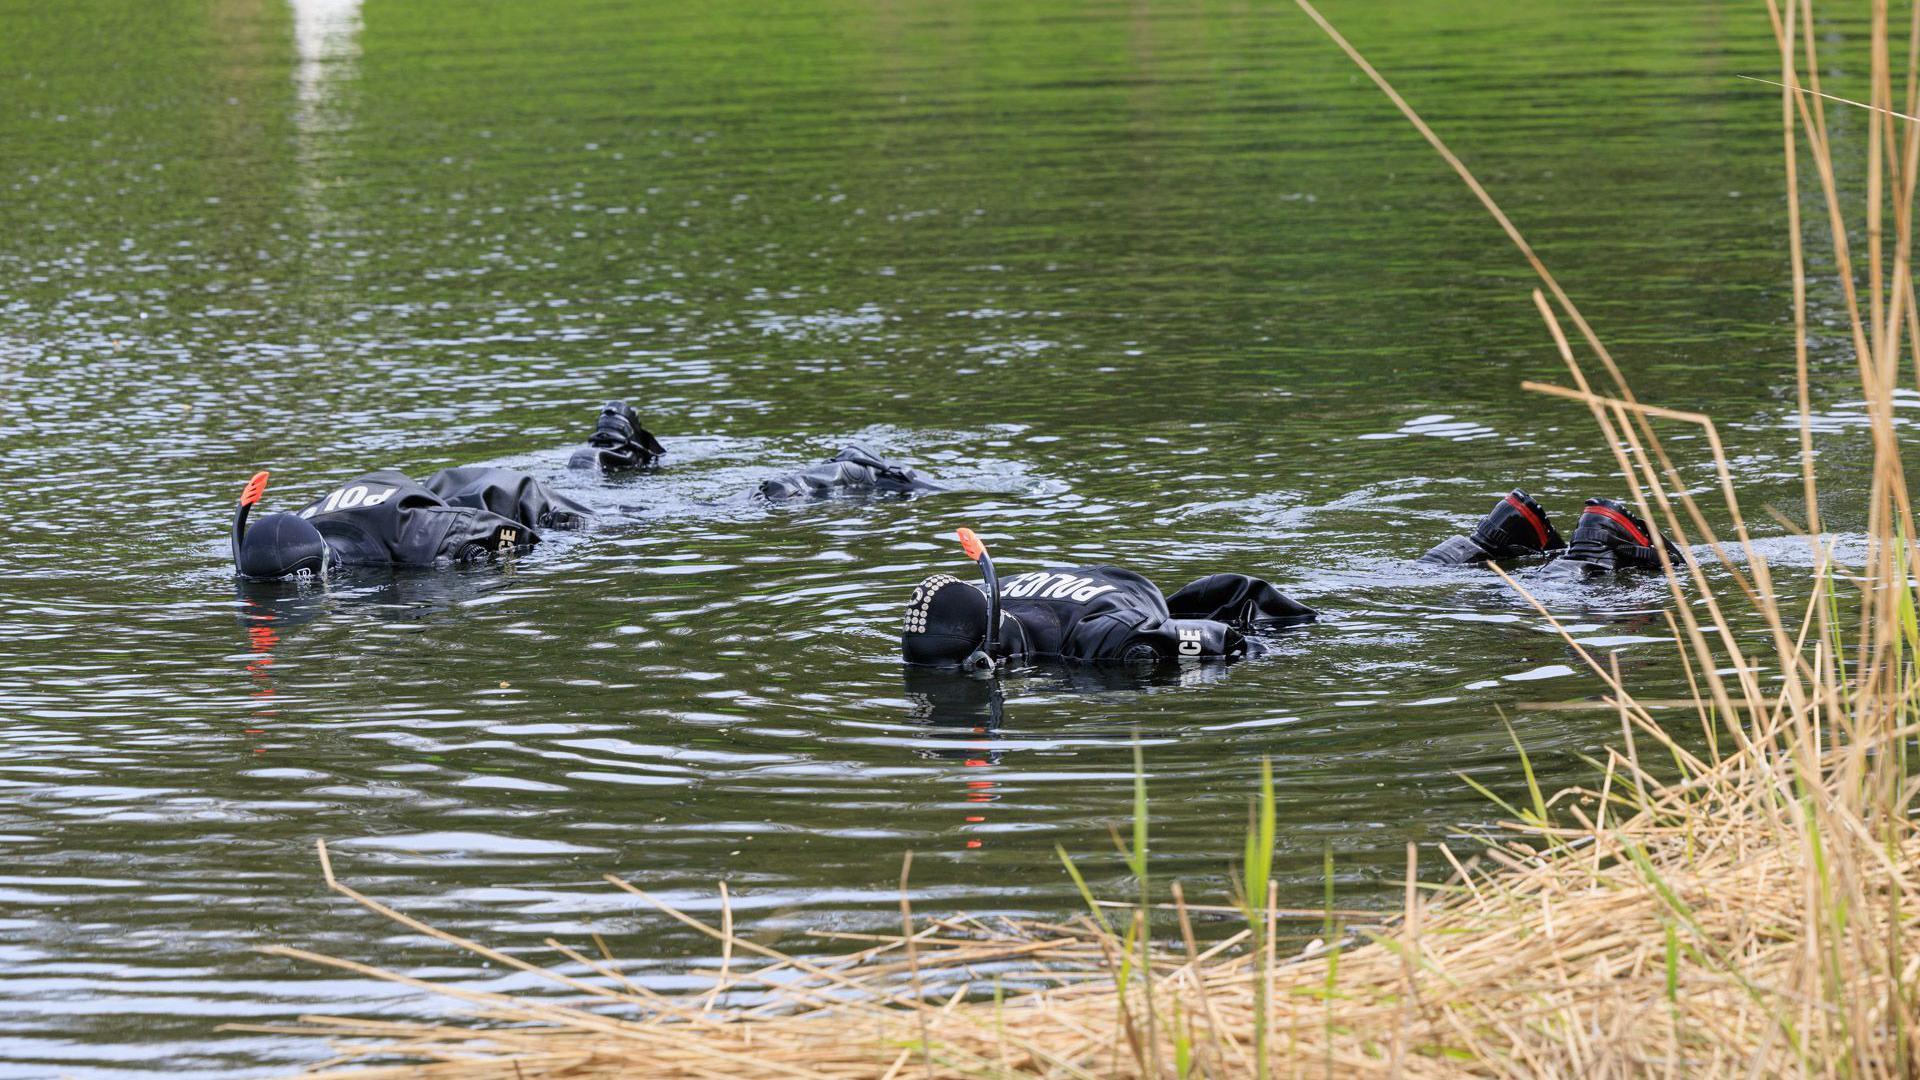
column 965, row 714
column 961, row 706
column 954, row 704
column 273, row 613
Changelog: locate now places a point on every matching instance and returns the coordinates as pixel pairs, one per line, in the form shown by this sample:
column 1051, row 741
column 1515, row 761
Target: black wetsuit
column 385, row 519
column 1106, row 613
column 855, row 470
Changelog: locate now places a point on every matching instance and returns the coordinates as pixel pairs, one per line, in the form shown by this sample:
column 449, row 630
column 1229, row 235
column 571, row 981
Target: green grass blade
column 1086, row 894
column 1138, row 862
column 1490, row 796
column 1526, row 767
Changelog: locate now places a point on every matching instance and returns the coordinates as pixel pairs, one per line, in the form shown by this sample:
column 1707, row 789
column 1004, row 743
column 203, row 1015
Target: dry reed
column 1748, row 911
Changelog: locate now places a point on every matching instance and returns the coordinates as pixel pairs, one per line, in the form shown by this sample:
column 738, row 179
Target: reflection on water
column 326, row 41
column 1152, row 287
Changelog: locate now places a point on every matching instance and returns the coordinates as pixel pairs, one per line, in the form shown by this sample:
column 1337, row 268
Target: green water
column 1160, row 284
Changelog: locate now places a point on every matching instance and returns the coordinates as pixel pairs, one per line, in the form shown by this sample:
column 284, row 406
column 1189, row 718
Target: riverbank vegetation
column 1734, row 892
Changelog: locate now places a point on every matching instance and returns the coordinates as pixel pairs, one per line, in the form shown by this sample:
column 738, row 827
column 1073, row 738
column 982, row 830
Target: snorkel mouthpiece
column 977, row 551
column 256, row 487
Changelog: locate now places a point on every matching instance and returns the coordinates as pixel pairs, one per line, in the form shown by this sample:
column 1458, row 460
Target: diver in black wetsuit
column 1608, row 537
column 458, row 515
column 385, row 519
column 1086, row 614
column 619, row 444
column 855, row 470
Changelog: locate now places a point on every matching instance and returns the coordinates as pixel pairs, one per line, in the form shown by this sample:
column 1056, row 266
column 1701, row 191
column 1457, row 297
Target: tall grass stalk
column 1256, row 881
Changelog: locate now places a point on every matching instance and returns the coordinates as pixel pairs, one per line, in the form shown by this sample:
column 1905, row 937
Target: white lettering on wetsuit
column 1189, row 641
column 348, row 498
column 1042, row 585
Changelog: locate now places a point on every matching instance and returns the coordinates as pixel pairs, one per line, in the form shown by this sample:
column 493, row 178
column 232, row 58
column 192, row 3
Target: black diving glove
column 1515, row 528
column 1242, row 602
column 1611, row 537
column 887, row 475
column 618, row 441
column 854, row 469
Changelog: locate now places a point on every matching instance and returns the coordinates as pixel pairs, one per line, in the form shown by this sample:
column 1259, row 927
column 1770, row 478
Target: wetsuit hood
column 279, row 545
column 946, row 624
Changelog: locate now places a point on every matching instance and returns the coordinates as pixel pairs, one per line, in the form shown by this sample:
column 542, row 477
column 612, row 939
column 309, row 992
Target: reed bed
column 1735, row 898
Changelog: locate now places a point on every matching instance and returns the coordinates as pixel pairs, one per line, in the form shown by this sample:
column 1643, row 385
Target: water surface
column 1157, row 284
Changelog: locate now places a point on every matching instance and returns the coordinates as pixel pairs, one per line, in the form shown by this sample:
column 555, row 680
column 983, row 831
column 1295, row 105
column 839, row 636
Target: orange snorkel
column 256, row 487
column 977, row 551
